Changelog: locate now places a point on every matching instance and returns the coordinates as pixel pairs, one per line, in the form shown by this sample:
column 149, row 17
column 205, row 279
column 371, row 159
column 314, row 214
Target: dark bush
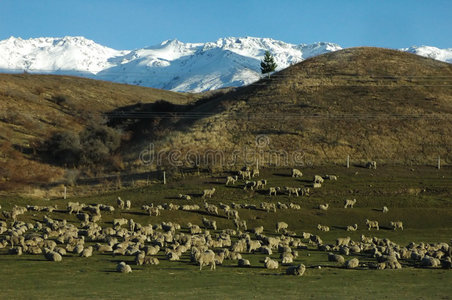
column 65, row 148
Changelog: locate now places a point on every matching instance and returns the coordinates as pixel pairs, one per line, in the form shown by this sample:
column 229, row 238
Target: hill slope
column 33, row 107
column 368, row 103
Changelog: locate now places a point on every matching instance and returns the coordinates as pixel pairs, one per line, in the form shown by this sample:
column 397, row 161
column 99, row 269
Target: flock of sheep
column 207, row 245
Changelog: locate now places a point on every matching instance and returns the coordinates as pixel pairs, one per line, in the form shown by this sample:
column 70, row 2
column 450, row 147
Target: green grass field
column 418, row 196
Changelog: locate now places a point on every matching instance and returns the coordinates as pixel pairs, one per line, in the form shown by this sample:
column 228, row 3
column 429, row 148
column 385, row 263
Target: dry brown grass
column 369, row 103
column 33, row 107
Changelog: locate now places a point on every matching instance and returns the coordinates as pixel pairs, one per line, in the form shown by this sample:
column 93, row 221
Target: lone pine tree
column 268, row 64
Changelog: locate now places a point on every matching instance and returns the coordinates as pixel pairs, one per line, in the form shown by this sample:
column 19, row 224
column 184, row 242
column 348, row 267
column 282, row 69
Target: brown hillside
column 369, row 103
column 33, row 107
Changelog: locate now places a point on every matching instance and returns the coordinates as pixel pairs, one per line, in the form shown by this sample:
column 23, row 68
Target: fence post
column 65, row 192
column 348, row 161
column 439, row 163
column 164, row 177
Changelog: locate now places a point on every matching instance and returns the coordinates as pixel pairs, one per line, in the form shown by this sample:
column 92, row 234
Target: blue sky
column 123, row 24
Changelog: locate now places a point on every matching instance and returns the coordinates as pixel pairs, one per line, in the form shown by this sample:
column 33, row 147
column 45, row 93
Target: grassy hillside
column 33, row 107
column 369, row 103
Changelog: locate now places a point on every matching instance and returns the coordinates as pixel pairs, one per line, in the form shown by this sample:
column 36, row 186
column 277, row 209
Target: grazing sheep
column 349, row 203
column 323, row 228
column 316, row 185
column 428, row 261
column 281, row 226
column 207, row 258
column 273, row 190
column 352, row 263
column 120, row 222
column 243, row 263
column 397, row 225
column 296, row 270
column 260, row 184
column 232, row 213
column 352, row 228
column 255, row 172
column 231, row 179
column 266, row 250
column 385, row 210
column 305, row 191
column 294, row 206
column 185, row 197
column 122, row 267
column 330, row 177
column 296, row 173
column 209, row 224
column 324, row 206
column 271, row 264
column 211, row 209
column 268, row 206
column 371, row 165
column 52, row 255
column 291, row 190
column 245, row 175
column 208, row 193
column 240, row 224
column 153, row 211
column 250, row 185
column 318, row 179
column 74, row 207
column 372, row 224
column 87, row 252
column 343, row 241
column 336, row 257
column 120, row 203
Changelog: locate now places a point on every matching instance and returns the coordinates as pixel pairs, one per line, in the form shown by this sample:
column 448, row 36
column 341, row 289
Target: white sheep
column 185, row 197
column 273, row 190
column 352, row 263
column 240, row 224
column 208, row 193
column 120, row 203
column 324, row 206
column 211, row 209
column 296, row 173
column 385, row 210
column 343, row 241
column 271, row 264
column 316, row 185
column 397, row 225
column 292, row 190
column 268, row 206
column 122, row 267
column 349, row 203
column 207, row 258
column 323, row 228
column 371, row 165
column 372, row 224
column 232, row 213
column 318, row 179
column 331, row 177
column 243, row 262
column 250, row 185
column 281, row 226
column 245, row 175
column 209, row 224
column 296, row 270
column 352, row 227
column 255, row 172
column 231, row 179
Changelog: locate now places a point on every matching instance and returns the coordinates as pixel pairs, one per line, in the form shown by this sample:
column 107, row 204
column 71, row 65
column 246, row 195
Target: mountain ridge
column 171, row 65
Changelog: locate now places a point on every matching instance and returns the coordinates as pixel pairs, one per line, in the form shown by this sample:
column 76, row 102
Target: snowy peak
column 431, row 52
column 51, row 55
column 171, row 65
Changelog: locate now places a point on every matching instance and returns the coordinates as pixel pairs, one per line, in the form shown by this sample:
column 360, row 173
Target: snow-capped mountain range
column 171, row 65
